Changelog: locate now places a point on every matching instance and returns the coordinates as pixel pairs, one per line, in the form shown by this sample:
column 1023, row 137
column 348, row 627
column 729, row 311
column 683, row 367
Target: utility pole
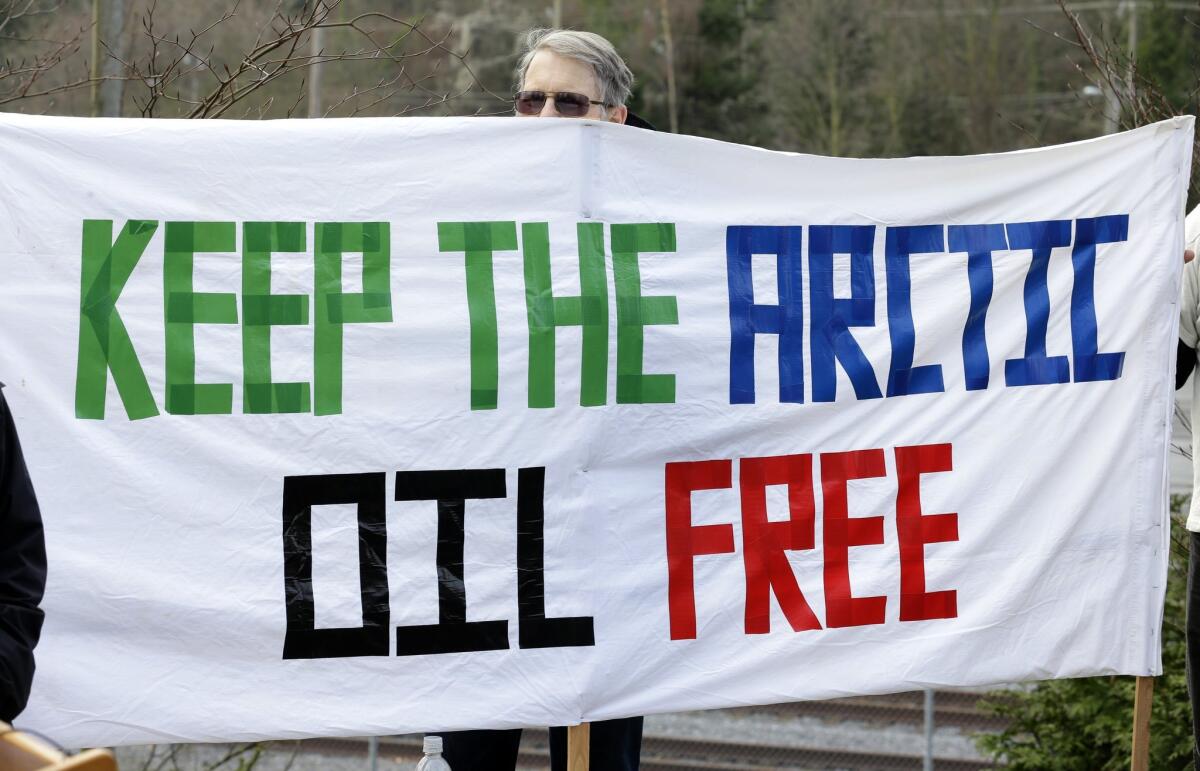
column 1112, row 116
column 927, row 760
column 109, row 47
column 1112, row 111
column 669, row 48
column 189, row 67
column 556, row 17
column 1131, row 86
column 316, row 44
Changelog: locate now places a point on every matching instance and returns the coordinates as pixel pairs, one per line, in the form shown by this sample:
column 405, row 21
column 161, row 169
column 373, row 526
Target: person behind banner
column 562, row 74
column 22, row 571
column 1189, row 337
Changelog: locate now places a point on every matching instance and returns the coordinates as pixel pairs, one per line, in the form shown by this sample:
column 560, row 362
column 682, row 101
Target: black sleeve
column 22, row 571
column 1185, row 362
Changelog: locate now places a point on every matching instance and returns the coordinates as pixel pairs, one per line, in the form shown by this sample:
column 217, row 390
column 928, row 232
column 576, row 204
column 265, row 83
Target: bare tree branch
column 192, row 74
column 1137, row 99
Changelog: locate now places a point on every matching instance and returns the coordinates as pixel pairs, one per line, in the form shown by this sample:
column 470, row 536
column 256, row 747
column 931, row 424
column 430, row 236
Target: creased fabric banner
column 354, row 427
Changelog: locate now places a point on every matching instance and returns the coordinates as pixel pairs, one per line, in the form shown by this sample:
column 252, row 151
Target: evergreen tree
column 721, row 96
column 1168, row 54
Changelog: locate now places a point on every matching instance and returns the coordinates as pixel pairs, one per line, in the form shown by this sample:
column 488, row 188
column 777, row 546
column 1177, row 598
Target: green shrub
column 1086, row 724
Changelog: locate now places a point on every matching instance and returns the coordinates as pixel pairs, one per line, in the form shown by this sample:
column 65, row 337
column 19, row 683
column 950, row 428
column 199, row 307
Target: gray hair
column 614, row 78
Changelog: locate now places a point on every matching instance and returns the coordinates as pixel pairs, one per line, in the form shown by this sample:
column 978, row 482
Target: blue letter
column 901, row 242
column 832, row 318
column 747, row 319
column 1089, row 363
column 1036, row 368
column 978, row 241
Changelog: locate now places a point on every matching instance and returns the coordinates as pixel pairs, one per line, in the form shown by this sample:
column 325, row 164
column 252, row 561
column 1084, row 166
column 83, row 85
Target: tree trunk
column 110, row 49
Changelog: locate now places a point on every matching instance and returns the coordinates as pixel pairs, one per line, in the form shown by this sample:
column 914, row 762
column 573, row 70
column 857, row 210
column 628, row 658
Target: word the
column 588, row 310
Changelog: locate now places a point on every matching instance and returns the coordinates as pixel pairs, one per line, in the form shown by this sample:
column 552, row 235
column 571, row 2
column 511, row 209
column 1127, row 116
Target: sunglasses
column 566, row 104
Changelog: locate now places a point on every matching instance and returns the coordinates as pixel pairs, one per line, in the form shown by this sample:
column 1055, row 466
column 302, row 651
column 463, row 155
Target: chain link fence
column 918, row 730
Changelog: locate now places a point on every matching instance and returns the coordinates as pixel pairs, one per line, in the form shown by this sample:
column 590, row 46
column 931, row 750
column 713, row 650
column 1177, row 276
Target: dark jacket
column 22, row 571
column 1185, row 362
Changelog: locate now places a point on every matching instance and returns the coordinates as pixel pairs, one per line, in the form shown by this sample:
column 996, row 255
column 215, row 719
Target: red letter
column 764, row 542
column 685, row 541
column 841, row 532
column 915, row 530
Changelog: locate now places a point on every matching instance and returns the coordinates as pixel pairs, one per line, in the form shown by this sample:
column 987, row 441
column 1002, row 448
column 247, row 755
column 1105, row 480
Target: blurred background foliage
column 845, row 78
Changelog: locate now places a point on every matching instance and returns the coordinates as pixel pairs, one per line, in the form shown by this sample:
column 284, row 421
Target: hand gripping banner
column 355, row 427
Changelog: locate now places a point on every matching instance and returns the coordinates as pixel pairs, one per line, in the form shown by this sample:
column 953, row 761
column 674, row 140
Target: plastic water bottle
column 433, row 760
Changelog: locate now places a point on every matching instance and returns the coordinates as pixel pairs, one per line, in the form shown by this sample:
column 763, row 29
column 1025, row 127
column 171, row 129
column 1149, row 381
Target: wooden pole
column 1143, row 696
column 579, row 743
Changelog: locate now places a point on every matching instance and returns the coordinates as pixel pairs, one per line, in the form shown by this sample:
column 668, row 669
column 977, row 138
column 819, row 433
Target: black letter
column 453, row 633
column 300, row 494
column 537, row 631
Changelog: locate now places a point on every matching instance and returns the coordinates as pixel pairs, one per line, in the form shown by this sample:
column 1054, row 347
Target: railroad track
column 951, row 708
column 679, row 753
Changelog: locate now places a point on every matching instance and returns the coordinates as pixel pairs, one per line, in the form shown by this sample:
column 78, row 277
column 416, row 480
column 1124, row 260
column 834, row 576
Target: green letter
column 262, row 310
column 589, row 310
column 335, row 307
column 479, row 240
column 636, row 311
column 185, row 308
column 104, row 343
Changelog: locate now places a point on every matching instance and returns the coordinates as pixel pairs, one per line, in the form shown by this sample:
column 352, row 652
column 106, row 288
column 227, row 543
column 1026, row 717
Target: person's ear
column 619, row 114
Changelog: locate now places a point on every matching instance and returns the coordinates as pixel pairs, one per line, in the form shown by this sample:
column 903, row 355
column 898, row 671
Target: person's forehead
column 549, row 71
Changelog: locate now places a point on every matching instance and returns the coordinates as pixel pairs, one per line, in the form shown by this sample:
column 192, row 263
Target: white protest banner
column 356, row 427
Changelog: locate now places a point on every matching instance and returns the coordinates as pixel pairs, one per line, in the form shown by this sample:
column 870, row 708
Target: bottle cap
column 433, row 744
